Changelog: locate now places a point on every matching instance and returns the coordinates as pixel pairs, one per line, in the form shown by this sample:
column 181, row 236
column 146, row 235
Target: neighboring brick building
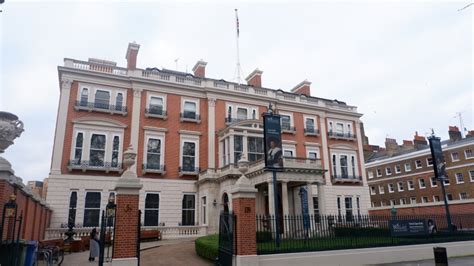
column 36, row 187
column 189, row 131
column 402, row 176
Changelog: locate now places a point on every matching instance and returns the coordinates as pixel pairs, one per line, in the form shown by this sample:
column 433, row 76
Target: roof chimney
column 408, row 145
column 391, row 145
column 255, row 78
column 131, row 56
column 470, row 134
column 419, row 141
column 454, row 133
column 199, row 69
column 302, row 88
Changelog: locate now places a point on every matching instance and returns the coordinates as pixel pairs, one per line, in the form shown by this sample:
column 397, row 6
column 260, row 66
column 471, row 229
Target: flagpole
column 238, row 68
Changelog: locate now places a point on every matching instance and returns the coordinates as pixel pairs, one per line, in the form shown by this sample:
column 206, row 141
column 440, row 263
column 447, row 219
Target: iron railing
column 301, row 233
column 94, row 165
column 188, row 170
column 229, row 120
column 153, row 168
column 342, row 178
column 333, row 134
column 97, row 106
column 311, row 131
column 286, row 127
column 155, row 112
column 190, row 116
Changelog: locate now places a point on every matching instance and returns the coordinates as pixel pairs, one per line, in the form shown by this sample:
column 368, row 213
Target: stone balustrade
column 208, row 83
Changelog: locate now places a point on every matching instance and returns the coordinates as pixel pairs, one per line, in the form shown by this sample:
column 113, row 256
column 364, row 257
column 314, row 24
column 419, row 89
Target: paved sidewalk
column 458, row 261
column 164, row 252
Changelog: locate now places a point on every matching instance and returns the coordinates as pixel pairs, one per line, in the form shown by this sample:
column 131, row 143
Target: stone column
column 271, row 205
column 243, row 201
column 211, row 128
column 135, row 127
column 284, row 198
column 126, row 215
column 309, row 188
column 61, row 126
column 321, row 199
column 325, row 150
column 360, row 166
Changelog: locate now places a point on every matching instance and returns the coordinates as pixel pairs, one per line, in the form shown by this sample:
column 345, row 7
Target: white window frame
column 195, row 207
column 388, row 171
column 398, row 169
column 412, row 200
column 416, row 164
column 314, row 119
column 156, row 95
column 288, row 147
column 408, row 169
column 436, row 199
column 85, row 202
column 452, row 157
column 471, row 175
column 457, row 180
column 370, row 174
column 372, row 190
column 204, row 210
column 428, row 162
column 419, row 183
column 88, row 131
column 159, row 207
column 154, row 135
column 403, row 201
column 391, row 188
column 189, row 138
column 431, row 182
column 424, row 199
column 412, row 187
column 449, row 182
column 461, row 198
column 377, row 172
column 347, row 126
column 292, row 120
column 313, row 150
column 381, row 189
column 400, row 188
column 93, row 88
column 193, row 100
column 465, row 154
column 392, row 202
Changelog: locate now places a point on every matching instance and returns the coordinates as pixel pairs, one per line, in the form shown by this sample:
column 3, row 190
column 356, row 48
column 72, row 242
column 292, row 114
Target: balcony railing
column 94, row 166
column 311, row 131
column 153, row 168
column 190, row 117
column 157, row 113
column 338, row 135
column 188, row 170
column 101, row 107
column 346, row 179
column 287, row 128
column 231, row 120
column 303, row 163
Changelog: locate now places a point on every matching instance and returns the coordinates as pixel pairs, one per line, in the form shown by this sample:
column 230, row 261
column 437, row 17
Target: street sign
column 408, row 227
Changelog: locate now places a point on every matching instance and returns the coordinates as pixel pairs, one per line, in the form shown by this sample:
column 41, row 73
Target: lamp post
column 393, row 211
column 439, row 167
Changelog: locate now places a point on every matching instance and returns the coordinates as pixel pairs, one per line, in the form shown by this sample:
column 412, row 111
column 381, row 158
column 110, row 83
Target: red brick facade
column 126, row 230
column 246, row 239
column 36, row 216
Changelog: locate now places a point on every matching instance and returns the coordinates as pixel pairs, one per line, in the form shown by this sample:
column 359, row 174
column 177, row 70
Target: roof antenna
column 176, row 62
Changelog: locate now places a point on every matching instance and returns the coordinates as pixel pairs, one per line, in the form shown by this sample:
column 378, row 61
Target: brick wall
column 461, row 208
column 246, row 239
column 34, row 213
column 126, row 222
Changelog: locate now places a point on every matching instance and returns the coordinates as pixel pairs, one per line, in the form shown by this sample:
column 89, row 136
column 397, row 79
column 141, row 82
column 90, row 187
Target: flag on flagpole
column 237, row 22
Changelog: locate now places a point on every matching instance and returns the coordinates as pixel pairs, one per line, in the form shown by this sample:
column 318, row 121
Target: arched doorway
column 225, row 203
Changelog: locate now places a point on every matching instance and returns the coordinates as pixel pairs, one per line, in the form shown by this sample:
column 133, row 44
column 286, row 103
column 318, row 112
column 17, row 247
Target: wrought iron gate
column 11, row 244
column 226, row 239
column 107, row 232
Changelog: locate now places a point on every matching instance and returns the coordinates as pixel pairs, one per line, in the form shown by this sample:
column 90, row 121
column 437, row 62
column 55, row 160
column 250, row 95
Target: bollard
column 440, row 256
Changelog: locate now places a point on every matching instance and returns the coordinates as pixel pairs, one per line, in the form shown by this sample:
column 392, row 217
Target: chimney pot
column 470, row 134
column 454, row 133
column 199, row 69
column 131, row 55
column 255, row 78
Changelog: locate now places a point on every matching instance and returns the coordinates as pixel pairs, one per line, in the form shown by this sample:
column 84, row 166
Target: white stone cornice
column 137, row 92
column 159, row 129
column 189, row 132
column 312, row 144
column 96, row 121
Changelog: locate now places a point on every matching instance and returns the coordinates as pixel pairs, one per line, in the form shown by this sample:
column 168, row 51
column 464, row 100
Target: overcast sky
column 407, row 66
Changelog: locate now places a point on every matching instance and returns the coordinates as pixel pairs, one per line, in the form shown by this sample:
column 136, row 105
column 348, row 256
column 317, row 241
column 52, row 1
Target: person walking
column 94, row 245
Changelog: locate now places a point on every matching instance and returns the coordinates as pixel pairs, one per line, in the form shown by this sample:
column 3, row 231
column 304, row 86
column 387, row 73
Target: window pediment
column 102, row 122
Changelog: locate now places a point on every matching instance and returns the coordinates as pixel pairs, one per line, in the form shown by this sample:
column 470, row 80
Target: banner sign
column 272, row 139
column 304, row 207
column 439, row 164
column 408, row 227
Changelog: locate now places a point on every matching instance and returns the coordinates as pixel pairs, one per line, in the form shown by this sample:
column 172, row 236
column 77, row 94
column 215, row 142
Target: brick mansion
column 189, row 131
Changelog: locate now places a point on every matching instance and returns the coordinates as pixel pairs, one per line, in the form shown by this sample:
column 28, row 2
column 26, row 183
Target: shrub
column 361, row 231
column 264, row 236
column 207, row 247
